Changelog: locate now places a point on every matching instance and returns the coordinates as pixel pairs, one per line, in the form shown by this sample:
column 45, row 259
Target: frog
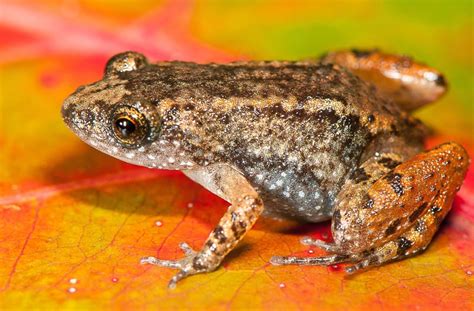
column 328, row 138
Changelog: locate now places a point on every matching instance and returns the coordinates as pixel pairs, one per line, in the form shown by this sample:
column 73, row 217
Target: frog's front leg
column 246, row 207
column 394, row 215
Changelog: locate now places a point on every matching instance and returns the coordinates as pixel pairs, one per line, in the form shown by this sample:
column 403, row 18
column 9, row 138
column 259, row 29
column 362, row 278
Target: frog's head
column 118, row 120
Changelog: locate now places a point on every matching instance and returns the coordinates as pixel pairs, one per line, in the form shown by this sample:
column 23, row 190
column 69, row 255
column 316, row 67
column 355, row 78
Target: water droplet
column 73, row 281
column 159, row 223
column 115, row 280
column 469, row 272
column 72, row 290
column 190, row 205
column 334, row 268
column 282, row 285
column 310, row 251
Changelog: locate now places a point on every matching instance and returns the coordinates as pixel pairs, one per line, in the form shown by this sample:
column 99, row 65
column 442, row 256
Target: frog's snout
column 76, row 118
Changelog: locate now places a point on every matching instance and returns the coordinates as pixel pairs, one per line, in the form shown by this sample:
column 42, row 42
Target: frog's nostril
column 67, row 111
column 82, row 119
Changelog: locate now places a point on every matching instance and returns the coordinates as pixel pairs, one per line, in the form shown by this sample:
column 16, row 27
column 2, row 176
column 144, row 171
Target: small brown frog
column 307, row 140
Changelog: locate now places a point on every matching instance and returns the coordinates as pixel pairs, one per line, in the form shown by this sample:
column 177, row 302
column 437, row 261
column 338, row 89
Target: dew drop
column 72, row 290
column 115, row 280
column 469, row 272
column 73, row 281
column 190, row 205
column 282, row 285
column 310, row 251
column 159, row 223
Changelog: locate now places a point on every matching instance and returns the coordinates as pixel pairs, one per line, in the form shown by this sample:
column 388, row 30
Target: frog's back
column 294, row 129
column 301, row 80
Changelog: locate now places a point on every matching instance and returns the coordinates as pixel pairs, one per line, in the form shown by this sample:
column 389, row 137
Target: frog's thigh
column 407, row 82
column 397, row 200
column 415, row 240
column 403, row 209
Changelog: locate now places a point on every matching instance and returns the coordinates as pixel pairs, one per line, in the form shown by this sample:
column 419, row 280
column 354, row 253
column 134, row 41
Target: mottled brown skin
column 302, row 140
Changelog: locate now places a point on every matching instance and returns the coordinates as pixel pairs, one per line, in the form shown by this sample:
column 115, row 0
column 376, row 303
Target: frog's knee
column 409, row 83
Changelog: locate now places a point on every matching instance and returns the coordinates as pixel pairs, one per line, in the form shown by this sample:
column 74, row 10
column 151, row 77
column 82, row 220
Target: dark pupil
column 125, row 126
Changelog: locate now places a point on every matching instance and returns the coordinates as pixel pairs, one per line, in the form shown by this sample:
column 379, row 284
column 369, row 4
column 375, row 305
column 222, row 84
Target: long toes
column 175, row 279
column 188, row 251
column 328, row 247
column 278, row 260
column 158, row 262
column 319, row 243
column 309, row 261
column 363, row 264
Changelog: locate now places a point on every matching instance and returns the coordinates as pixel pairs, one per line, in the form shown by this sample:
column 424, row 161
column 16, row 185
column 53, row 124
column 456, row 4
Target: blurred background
column 439, row 33
column 65, row 216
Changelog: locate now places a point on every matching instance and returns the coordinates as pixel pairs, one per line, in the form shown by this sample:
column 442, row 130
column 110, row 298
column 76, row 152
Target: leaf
column 74, row 222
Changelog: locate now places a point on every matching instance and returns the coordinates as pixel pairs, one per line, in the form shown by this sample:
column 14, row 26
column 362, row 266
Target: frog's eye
column 125, row 126
column 130, row 127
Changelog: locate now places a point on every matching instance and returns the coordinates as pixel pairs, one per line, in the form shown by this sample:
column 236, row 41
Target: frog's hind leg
column 354, row 191
column 395, row 215
column 409, row 83
column 410, row 243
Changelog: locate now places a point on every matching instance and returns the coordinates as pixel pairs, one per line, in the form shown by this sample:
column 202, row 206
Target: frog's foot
column 412, row 242
column 192, row 263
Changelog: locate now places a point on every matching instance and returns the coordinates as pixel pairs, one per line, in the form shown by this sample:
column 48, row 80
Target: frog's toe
column 187, row 250
column 361, row 265
column 159, row 262
column 178, row 277
column 309, row 261
column 177, row 264
column 328, row 247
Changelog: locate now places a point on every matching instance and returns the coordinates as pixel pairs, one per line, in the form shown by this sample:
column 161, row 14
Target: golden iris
column 130, row 127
